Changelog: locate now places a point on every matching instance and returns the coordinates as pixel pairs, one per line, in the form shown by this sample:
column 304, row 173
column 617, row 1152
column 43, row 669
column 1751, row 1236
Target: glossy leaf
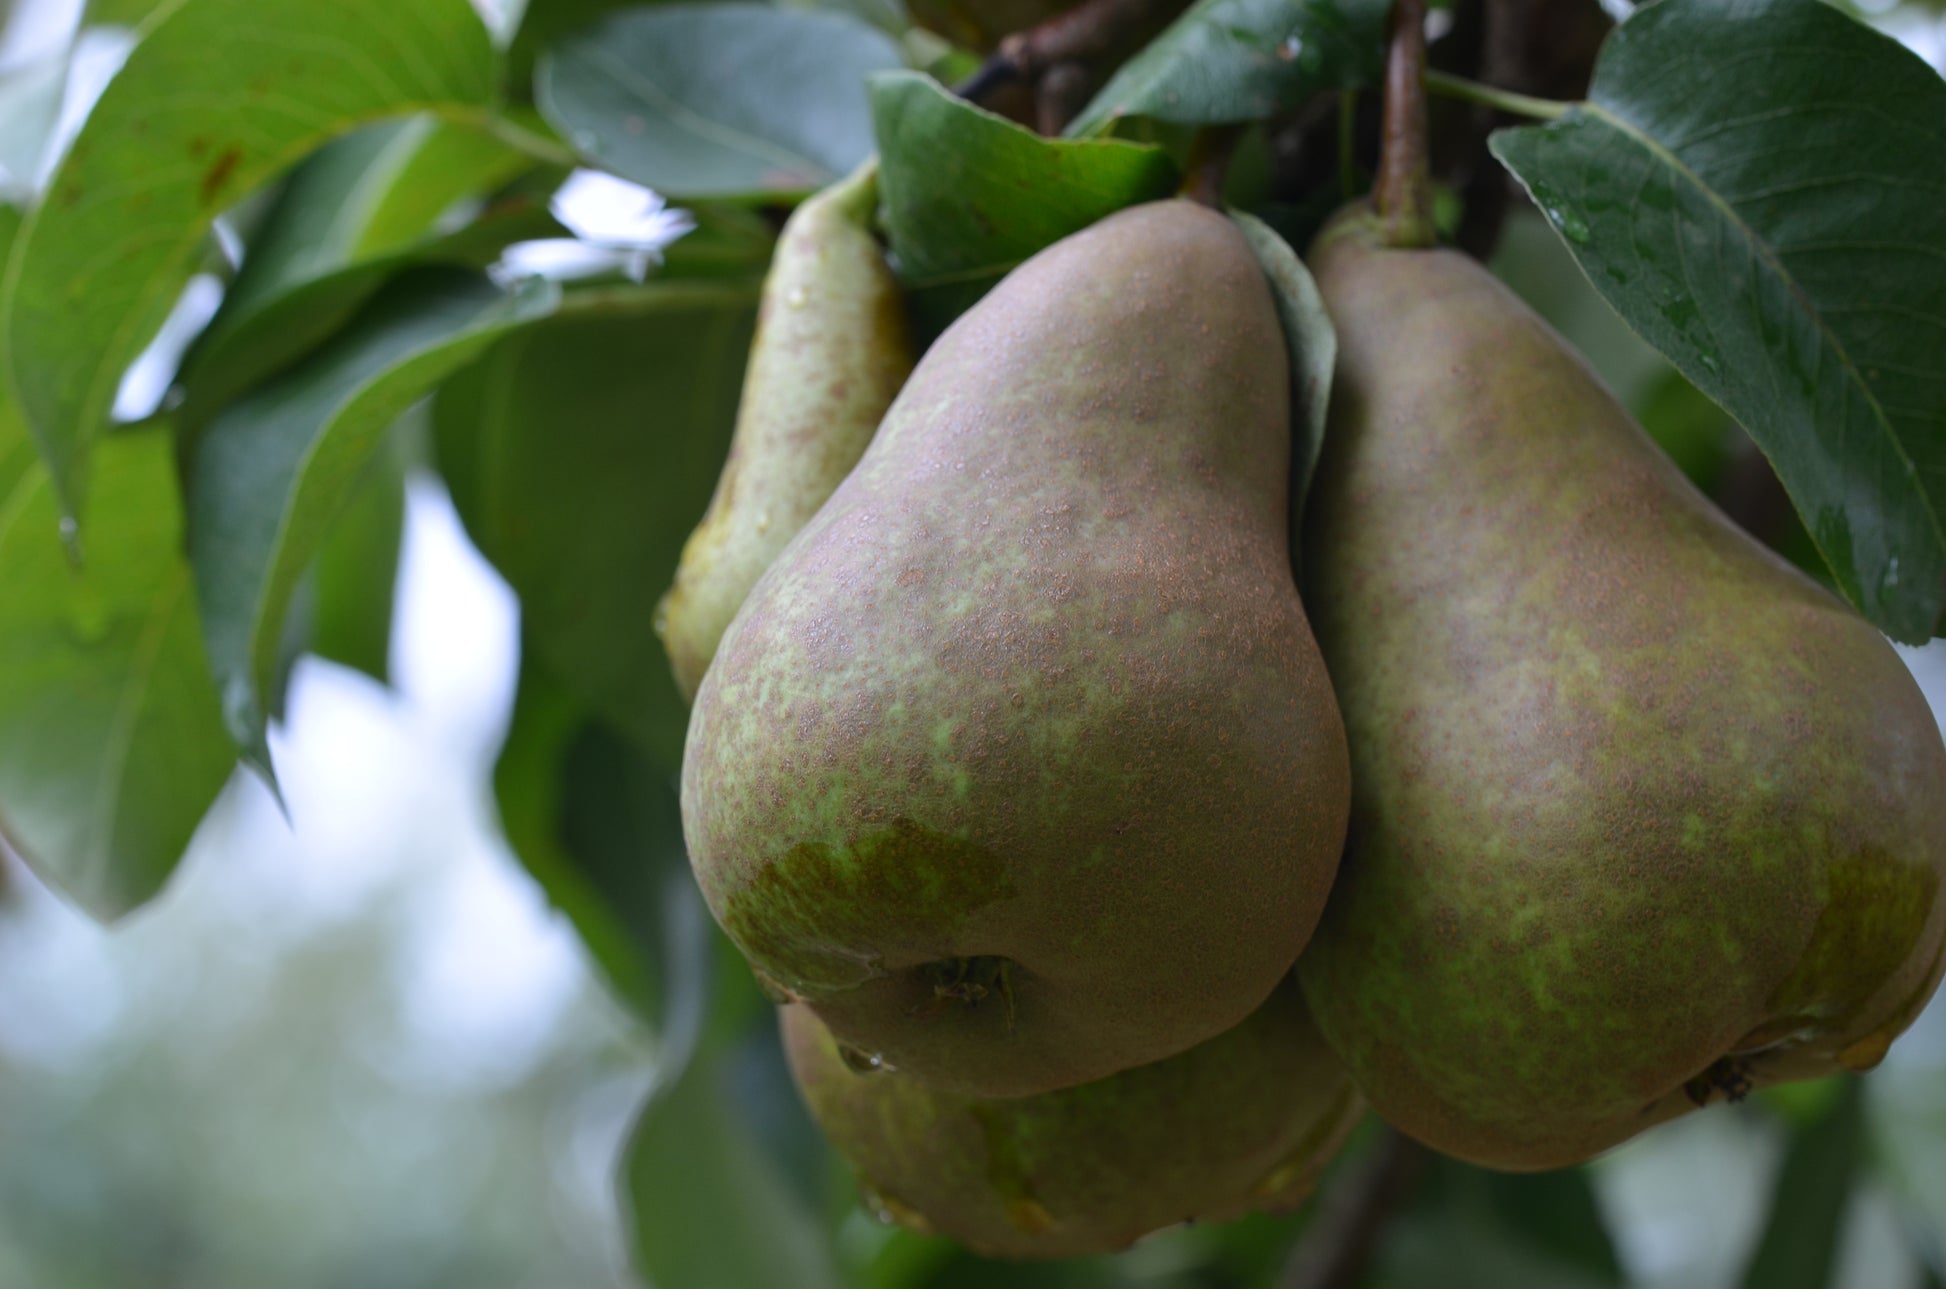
column 1799, row 1249
column 353, row 581
column 1229, row 61
column 275, row 468
column 1755, row 185
column 219, row 96
column 1312, row 344
column 968, row 195
column 1473, row 1229
column 598, row 828
column 580, row 454
column 718, row 100
column 543, row 23
column 111, row 741
column 712, row 1209
column 358, row 211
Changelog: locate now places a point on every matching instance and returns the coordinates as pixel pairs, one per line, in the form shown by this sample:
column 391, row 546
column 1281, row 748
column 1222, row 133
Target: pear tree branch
column 1352, row 1215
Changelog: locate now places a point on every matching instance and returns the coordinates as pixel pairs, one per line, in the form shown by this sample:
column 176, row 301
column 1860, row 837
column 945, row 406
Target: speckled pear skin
column 1020, row 766
column 1244, row 1122
column 831, row 350
column 1642, row 817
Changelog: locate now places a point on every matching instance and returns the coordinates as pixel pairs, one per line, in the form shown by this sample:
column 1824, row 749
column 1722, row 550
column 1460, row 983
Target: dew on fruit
column 797, row 297
column 859, row 1061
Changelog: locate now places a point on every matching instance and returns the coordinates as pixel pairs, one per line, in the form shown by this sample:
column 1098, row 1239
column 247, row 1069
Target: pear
column 1241, row 1123
column 1020, row 765
column 831, row 349
column 1642, row 817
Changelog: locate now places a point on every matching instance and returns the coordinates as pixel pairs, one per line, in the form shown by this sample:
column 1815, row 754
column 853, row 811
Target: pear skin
column 1642, row 817
column 1020, row 766
column 831, row 350
column 1244, row 1122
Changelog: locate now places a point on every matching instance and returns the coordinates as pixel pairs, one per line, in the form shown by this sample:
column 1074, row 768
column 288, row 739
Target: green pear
column 1642, row 817
column 1241, row 1123
column 1020, row 765
column 832, row 348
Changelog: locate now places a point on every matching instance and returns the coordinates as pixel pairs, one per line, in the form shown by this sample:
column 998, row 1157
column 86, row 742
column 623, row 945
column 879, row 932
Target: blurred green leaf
column 968, row 195
column 275, row 468
column 1468, row 1228
column 353, row 581
column 718, row 100
column 543, row 23
column 111, row 741
column 219, row 96
column 1229, row 61
column 121, row 13
column 581, row 453
column 1753, row 185
column 1313, row 347
column 1799, row 1249
column 711, row 1209
column 352, row 215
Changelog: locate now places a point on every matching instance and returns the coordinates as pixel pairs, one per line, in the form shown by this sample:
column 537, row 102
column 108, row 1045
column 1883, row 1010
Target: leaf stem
column 1403, row 194
column 1540, row 109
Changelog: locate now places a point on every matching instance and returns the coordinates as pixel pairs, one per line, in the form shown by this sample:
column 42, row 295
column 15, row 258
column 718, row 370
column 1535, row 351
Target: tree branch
column 1353, row 1214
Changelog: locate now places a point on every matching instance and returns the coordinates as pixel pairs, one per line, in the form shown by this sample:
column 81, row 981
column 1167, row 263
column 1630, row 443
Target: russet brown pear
column 1020, row 767
column 1642, row 816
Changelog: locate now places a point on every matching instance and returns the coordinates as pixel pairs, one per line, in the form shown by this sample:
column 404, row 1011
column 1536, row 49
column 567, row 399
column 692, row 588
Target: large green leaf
column 1799, row 1248
column 358, row 211
column 341, row 610
column 1472, row 1229
column 718, row 100
column 219, row 96
column 712, row 1208
column 968, row 195
column 1242, row 60
column 1756, row 186
column 111, row 740
column 581, row 453
column 275, row 468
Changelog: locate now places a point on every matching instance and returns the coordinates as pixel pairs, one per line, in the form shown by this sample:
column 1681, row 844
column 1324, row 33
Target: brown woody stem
column 1403, row 195
column 1352, row 1215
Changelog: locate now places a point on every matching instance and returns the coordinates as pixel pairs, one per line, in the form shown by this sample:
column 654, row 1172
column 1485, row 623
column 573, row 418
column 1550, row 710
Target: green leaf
column 580, row 454
column 351, row 216
column 120, row 13
column 111, row 741
column 1807, row 1208
column 968, row 195
column 718, row 100
column 1473, row 1229
column 712, row 1209
column 542, row 24
column 219, row 96
column 1227, row 61
column 1755, row 185
column 1313, row 346
column 275, row 468
column 353, row 581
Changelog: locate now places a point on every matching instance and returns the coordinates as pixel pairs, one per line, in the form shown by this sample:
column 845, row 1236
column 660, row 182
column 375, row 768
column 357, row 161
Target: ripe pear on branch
column 1020, row 767
column 1244, row 1122
column 1642, row 818
column 831, row 350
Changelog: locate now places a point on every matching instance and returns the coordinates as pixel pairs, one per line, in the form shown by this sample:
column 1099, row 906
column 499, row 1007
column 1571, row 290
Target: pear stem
column 1403, row 196
column 1540, row 109
column 1209, row 164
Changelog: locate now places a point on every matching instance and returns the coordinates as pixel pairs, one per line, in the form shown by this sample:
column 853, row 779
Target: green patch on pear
column 1034, row 688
